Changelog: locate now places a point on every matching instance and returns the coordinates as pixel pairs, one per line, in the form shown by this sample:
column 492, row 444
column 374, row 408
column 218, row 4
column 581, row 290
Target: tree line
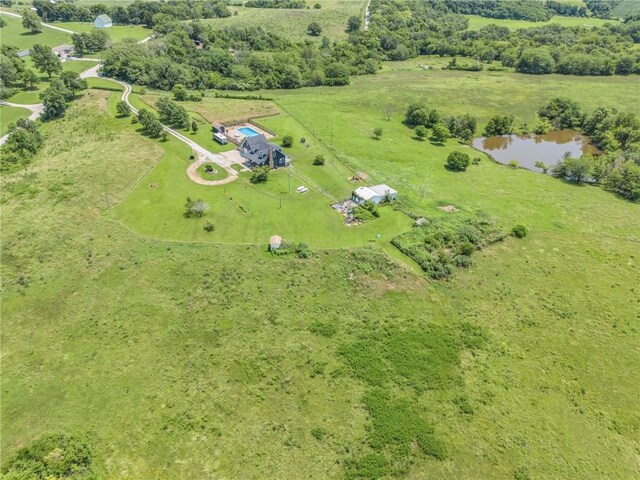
column 235, row 58
column 402, row 29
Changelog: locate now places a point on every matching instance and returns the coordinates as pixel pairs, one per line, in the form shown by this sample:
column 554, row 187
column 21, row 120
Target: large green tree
column 31, row 21
column 45, row 60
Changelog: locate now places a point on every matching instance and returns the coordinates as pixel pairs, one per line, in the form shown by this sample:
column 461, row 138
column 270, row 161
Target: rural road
column 366, row 15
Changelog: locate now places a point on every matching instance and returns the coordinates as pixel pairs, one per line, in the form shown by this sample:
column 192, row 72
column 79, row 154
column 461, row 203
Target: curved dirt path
column 204, row 155
column 193, row 174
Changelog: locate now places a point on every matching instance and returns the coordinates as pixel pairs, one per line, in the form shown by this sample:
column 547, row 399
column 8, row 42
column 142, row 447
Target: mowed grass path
column 292, row 23
column 476, row 22
column 14, row 34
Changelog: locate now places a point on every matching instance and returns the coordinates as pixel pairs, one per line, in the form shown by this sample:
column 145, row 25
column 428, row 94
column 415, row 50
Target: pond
column 529, row 149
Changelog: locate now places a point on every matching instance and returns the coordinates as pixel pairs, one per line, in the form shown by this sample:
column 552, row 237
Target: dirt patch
column 448, row 208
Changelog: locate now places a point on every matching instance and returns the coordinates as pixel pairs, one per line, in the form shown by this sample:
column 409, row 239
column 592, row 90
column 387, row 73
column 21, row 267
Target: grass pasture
column 183, row 353
column 292, row 23
column 476, row 22
column 15, row 35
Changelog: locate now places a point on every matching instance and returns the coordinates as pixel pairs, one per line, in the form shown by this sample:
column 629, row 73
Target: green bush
column 260, row 174
column 56, row 456
column 319, row 160
column 318, row 433
column 287, row 141
column 457, row 161
column 519, row 231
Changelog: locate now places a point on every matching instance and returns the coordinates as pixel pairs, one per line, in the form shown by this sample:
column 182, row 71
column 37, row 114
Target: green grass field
column 117, row 32
column 292, row 23
column 476, row 22
column 15, row 35
column 187, row 354
column 10, row 115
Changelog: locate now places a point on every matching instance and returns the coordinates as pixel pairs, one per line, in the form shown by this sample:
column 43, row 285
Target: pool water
column 248, row 131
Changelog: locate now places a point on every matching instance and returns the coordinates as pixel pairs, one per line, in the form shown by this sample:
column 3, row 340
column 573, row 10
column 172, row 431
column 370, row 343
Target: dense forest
column 235, row 58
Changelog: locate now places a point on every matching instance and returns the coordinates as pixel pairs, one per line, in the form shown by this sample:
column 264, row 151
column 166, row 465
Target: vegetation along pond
column 529, row 149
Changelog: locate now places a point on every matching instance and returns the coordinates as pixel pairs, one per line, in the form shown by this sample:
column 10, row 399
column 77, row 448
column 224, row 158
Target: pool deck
column 234, row 135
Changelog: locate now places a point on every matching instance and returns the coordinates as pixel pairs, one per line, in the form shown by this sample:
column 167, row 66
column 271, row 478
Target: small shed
column 218, row 127
column 274, row 242
column 63, row 51
column 103, row 21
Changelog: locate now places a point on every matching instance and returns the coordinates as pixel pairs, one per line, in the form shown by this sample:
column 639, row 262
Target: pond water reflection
column 529, row 149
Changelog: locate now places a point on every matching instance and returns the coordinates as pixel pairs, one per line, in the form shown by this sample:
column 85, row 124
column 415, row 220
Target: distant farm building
column 103, row 21
column 376, row 194
column 63, row 51
column 259, row 152
column 275, row 242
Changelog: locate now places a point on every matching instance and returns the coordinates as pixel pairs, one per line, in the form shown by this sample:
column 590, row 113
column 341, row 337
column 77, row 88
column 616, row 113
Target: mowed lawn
column 117, row 33
column 11, row 115
column 14, row 34
column 250, row 214
column 476, row 22
column 292, row 23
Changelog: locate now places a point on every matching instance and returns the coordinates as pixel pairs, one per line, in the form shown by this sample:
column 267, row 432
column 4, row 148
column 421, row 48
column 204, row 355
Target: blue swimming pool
column 248, row 131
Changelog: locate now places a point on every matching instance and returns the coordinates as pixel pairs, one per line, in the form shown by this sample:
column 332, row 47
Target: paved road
column 48, row 25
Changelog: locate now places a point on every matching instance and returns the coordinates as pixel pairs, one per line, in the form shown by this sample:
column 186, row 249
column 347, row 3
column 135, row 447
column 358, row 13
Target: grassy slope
column 10, row 115
column 476, row 22
column 184, row 361
column 292, row 23
column 14, row 34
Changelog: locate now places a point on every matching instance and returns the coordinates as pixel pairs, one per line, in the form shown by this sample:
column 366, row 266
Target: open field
column 182, row 353
column 14, row 34
column 10, row 115
column 476, row 22
column 626, row 7
column 117, row 32
column 292, row 23
column 192, row 360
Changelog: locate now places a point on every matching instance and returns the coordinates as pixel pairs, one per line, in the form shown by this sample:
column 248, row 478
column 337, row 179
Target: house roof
column 104, row 17
column 216, row 125
column 367, row 193
column 62, row 48
column 383, row 189
column 275, row 239
column 258, row 149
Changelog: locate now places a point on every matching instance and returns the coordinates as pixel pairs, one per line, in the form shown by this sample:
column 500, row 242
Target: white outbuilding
column 376, row 193
column 103, row 21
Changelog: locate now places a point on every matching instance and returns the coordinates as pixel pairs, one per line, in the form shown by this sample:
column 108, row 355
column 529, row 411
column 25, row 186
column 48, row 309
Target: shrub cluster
column 442, row 244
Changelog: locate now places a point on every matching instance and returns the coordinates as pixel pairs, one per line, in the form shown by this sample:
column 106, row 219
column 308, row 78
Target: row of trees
column 172, row 113
column 61, row 91
column 89, row 42
column 420, row 117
